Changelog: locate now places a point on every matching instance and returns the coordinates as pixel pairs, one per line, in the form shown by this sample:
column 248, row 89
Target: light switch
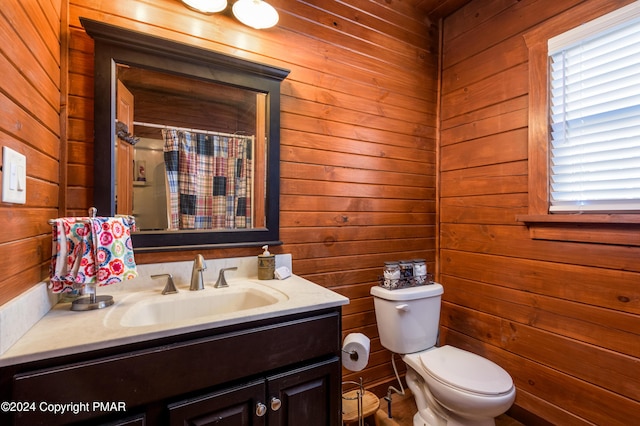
column 14, row 177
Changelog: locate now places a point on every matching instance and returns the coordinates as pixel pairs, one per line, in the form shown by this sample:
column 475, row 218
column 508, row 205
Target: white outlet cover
column 14, row 176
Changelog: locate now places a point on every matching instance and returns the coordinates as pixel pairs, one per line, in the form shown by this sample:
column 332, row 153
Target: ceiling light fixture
column 206, row 6
column 255, row 13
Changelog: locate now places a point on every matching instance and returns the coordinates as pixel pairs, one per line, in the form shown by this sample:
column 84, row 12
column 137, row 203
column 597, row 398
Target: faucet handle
column 170, row 287
column 222, row 281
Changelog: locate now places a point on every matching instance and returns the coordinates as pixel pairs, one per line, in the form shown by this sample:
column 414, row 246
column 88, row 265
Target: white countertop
column 63, row 332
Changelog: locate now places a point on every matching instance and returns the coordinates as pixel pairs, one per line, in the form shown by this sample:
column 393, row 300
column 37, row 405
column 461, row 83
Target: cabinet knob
column 275, row 404
column 261, row 409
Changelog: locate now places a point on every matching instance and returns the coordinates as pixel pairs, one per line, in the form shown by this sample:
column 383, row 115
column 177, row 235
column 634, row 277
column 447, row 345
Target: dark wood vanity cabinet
column 298, row 397
column 273, row 372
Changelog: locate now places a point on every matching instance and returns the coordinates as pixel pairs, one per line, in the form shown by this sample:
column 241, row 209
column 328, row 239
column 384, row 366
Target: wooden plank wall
column 30, row 124
column 563, row 318
column 357, row 135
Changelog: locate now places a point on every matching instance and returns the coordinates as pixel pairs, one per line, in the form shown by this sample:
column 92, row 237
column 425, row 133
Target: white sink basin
column 155, row 309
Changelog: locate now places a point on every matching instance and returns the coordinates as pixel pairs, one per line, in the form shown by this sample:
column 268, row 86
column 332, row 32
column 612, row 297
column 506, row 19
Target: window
column 594, row 115
column 570, row 223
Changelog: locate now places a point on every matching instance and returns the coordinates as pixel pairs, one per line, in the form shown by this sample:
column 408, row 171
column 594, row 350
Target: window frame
column 583, row 227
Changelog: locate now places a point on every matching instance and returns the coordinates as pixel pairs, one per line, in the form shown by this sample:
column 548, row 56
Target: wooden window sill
column 615, row 229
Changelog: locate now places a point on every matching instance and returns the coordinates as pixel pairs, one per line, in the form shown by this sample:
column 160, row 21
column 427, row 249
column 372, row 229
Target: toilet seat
column 466, row 371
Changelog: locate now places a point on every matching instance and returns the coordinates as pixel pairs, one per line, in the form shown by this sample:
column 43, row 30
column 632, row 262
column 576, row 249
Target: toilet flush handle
column 402, row 307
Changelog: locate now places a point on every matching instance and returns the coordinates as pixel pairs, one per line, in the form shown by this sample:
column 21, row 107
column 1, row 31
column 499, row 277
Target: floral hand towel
column 72, row 259
column 114, row 251
column 91, row 251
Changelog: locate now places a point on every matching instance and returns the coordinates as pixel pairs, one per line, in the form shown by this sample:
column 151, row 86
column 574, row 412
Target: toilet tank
column 408, row 318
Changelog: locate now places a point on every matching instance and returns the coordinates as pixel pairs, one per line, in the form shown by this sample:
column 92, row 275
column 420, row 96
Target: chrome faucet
column 197, row 280
column 170, row 287
column 222, row 281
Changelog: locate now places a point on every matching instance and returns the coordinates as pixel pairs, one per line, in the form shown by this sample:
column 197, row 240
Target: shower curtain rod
column 185, row 129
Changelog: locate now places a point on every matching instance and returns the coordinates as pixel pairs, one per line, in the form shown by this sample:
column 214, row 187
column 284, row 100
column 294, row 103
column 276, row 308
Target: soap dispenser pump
column 266, row 264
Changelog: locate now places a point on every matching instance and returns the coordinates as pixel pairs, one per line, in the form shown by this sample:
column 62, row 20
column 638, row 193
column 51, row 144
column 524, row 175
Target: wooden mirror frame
column 116, row 45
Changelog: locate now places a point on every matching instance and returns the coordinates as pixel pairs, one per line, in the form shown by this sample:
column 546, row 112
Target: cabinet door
column 308, row 396
column 236, row 406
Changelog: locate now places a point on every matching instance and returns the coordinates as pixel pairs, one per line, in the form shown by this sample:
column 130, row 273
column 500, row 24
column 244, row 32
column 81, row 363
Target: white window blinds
column 595, row 115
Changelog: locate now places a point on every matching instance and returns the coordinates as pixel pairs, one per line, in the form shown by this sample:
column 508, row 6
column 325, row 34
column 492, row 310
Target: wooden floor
column 404, row 407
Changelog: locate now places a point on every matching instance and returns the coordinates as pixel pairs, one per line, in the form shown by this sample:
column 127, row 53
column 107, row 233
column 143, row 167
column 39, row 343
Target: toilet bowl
column 458, row 387
column 451, row 386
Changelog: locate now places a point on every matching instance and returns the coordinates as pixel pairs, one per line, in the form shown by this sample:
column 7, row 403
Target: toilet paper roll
column 355, row 351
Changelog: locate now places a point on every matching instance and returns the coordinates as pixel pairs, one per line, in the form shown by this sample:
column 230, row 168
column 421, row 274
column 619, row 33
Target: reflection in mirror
column 159, row 102
column 199, row 152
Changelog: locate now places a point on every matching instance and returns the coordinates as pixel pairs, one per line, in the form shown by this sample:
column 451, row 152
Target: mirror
column 158, row 102
column 190, row 153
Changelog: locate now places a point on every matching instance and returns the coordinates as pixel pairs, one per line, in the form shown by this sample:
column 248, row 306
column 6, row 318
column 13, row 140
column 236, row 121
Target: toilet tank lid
column 409, row 293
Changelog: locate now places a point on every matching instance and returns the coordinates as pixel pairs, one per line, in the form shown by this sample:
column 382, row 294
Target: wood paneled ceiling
column 436, row 9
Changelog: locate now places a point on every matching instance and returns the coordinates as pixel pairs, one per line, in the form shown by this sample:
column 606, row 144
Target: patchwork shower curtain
column 209, row 180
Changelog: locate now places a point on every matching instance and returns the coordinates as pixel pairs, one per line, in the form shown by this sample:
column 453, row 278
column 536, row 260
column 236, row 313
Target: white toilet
column 451, row 386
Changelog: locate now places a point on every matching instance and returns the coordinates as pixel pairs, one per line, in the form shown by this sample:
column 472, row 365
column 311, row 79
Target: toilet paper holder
column 355, row 351
column 352, row 354
column 359, row 391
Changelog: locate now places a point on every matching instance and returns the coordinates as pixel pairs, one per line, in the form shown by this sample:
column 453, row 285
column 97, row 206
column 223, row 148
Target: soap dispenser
column 266, row 264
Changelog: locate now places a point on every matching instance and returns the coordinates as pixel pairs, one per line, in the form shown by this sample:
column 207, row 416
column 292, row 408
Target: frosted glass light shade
column 206, row 6
column 255, row 13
